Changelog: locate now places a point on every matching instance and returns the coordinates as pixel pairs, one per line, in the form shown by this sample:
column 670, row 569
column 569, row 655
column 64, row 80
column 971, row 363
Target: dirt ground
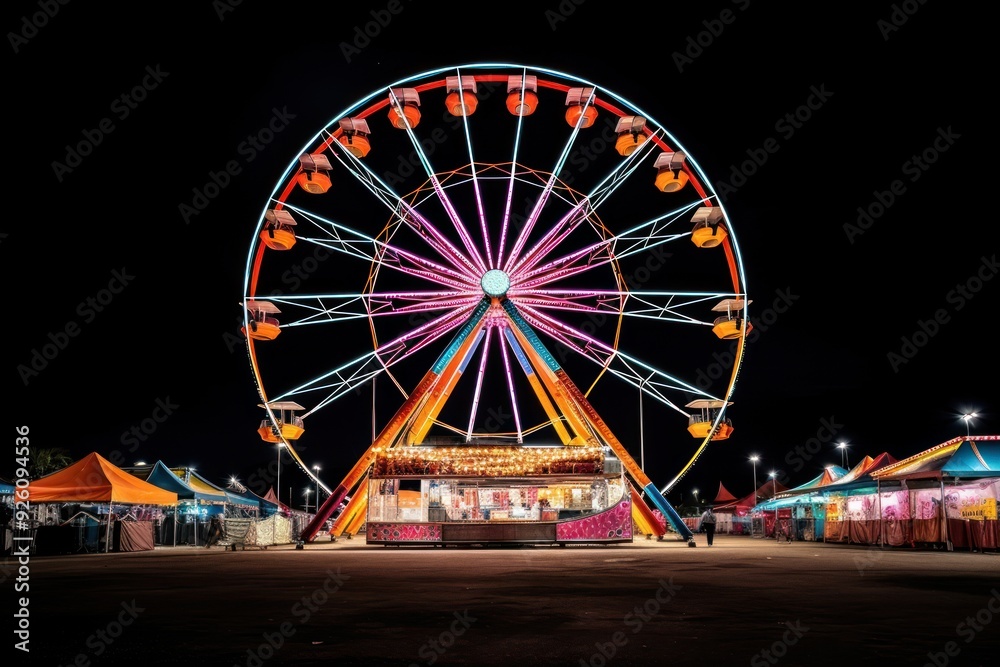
column 742, row 601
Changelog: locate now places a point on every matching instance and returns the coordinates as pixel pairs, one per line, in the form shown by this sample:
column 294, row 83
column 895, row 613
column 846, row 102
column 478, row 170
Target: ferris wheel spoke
column 605, row 355
column 505, row 219
column 442, row 196
column 580, row 212
column 656, row 305
column 404, row 211
column 509, row 377
column 345, row 307
column 350, row 375
column 386, row 254
column 477, row 392
column 600, row 253
column 543, row 197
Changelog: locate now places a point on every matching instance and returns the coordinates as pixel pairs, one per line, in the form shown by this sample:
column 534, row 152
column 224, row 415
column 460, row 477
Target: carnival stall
column 497, row 493
column 95, row 491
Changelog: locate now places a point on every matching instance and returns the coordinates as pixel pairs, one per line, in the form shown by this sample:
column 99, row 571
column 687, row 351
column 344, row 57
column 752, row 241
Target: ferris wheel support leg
column 654, row 495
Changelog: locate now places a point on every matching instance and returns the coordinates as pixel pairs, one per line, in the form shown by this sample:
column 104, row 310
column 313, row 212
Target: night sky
column 844, row 146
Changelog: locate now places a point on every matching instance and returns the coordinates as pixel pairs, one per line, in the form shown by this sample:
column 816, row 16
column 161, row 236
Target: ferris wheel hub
column 495, row 283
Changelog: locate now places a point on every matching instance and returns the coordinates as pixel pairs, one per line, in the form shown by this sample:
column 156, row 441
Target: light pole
column 967, row 417
column 306, row 492
column 774, row 492
column 842, row 446
column 277, row 484
column 694, row 492
column 316, row 470
column 753, row 459
column 642, row 442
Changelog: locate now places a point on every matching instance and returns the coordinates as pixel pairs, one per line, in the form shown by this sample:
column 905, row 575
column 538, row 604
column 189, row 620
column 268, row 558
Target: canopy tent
column 744, row 504
column 95, row 479
column 968, row 458
column 723, row 496
column 272, row 498
column 165, row 478
column 201, row 485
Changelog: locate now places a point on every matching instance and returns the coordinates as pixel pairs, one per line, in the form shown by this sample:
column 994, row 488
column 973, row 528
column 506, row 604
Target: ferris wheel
column 516, row 252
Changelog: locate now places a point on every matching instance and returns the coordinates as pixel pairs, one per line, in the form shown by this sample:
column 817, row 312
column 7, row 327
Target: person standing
column 708, row 525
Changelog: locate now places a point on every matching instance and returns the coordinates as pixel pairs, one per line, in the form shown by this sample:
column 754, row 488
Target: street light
column 694, row 492
column 306, row 493
column 842, row 446
column 753, row 459
column 967, row 417
column 316, row 470
column 277, row 484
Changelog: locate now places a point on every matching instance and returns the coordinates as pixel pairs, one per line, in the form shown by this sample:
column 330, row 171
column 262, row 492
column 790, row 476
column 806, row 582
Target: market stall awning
column 95, row 479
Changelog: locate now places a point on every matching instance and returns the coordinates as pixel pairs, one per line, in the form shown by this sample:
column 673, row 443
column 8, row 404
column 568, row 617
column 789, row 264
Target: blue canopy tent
column 190, row 499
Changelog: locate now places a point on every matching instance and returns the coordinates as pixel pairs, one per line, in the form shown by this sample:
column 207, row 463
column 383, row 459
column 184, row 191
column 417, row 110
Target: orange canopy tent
column 95, row 479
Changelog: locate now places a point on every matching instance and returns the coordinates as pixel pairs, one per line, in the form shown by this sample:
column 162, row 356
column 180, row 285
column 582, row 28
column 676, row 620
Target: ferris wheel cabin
column 289, row 425
column 702, row 425
column 263, row 324
column 279, row 229
column 733, row 324
column 708, row 231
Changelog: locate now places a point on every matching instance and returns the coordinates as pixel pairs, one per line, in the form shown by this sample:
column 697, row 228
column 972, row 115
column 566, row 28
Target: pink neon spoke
column 463, row 233
column 479, row 385
column 563, row 267
column 433, row 236
column 510, row 386
column 548, row 301
column 566, row 334
column 488, row 250
column 563, row 228
column 522, row 238
column 424, row 335
column 397, row 258
column 380, row 305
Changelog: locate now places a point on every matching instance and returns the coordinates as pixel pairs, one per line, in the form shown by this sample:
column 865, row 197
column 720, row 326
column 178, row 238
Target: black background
column 168, row 335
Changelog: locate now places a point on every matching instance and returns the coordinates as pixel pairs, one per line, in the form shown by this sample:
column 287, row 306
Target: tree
column 45, row 460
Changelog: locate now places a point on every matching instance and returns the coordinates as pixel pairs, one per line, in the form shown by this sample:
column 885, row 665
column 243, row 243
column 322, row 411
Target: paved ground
column 743, row 601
